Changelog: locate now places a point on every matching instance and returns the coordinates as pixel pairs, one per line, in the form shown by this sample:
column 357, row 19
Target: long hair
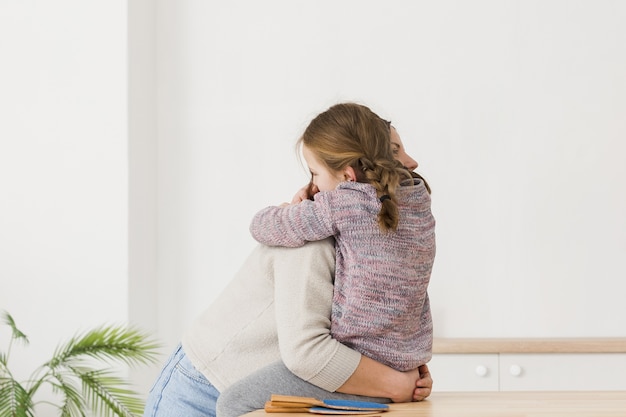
column 351, row 135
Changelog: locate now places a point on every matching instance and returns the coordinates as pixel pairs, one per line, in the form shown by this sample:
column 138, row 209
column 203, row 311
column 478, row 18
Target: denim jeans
column 180, row 390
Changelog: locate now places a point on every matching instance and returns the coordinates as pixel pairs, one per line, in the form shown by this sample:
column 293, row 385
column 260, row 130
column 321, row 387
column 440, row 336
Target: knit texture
column 277, row 306
column 380, row 301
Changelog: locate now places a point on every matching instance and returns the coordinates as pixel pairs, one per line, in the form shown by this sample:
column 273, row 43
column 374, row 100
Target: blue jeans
column 180, row 390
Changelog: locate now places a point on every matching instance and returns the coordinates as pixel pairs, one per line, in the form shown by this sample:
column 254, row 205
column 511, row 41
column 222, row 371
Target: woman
column 383, row 231
column 278, row 306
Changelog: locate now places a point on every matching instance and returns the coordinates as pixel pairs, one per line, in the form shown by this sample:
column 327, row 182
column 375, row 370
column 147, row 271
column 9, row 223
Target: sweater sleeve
column 303, row 300
column 293, row 225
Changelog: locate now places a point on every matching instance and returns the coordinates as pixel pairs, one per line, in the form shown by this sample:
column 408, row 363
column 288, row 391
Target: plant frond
column 108, row 395
column 4, row 365
column 109, row 344
column 16, row 334
column 73, row 402
column 15, row 400
column 72, row 377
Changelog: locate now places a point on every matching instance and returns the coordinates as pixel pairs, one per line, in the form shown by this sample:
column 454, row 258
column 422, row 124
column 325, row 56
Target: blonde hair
column 351, row 135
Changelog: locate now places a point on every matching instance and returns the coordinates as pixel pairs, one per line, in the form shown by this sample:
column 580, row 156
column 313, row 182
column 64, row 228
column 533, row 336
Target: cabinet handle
column 515, row 370
column 481, row 370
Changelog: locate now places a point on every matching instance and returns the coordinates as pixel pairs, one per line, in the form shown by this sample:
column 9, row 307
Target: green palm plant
column 73, row 376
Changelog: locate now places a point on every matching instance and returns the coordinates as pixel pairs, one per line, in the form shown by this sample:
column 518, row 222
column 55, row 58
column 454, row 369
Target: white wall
column 63, row 171
column 142, row 176
column 515, row 110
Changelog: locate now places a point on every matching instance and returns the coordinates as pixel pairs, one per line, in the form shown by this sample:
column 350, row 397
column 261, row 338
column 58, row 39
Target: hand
column 373, row 379
column 405, row 386
column 423, row 385
column 305, row 193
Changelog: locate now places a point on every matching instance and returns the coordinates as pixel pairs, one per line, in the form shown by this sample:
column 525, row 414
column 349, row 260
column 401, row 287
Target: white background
column 137, row 140
column 63, row 172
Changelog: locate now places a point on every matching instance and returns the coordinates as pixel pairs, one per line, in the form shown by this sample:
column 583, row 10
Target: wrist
column 399, row 387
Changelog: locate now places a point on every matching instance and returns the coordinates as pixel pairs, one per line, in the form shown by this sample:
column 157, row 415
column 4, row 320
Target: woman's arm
column 303, row 283
column 303, row 291
column 315, row 364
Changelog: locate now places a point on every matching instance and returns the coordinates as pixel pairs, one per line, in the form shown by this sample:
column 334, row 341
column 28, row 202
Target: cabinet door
column 556, row 372
column 464, row 372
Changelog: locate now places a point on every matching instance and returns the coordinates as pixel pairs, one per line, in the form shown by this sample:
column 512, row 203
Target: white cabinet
column 459, row 372
column 563, row 372
column 547, row 370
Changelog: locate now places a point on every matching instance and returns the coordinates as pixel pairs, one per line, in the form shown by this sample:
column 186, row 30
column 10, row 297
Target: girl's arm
column 293, row 225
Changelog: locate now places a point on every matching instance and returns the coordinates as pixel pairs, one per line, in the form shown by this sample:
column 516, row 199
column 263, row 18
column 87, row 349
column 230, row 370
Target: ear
column 349, row 174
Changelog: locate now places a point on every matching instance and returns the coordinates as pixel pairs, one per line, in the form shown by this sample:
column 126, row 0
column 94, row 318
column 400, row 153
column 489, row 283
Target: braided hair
column 352, row 135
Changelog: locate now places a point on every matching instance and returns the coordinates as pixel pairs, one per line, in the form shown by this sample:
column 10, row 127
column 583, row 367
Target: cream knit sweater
column 274, row 308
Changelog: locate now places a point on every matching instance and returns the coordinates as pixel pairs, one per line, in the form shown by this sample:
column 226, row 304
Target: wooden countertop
column 505, row 404
column 529, row 345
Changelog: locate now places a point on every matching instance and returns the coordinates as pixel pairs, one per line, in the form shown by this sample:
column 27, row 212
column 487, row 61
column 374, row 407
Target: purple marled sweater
column 380, row 302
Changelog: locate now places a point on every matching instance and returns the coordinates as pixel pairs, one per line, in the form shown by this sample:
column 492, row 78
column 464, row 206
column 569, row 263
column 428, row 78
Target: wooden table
column 505, row 404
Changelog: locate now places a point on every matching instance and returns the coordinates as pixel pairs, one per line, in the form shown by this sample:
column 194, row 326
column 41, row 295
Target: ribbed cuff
column 337, row 371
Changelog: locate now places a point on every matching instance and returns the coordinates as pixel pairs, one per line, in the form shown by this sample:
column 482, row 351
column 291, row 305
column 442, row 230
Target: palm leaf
column 14, row 399
column 4, row 365
column 108, row 395
column 72, row 376
column 108, row 344
column 73, row 401
column 16, row 334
